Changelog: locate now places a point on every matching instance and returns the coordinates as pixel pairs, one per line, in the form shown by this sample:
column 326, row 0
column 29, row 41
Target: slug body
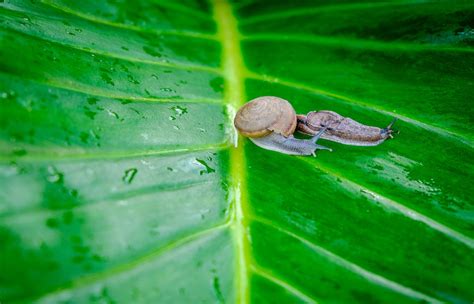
column 270, row 122
column 342, row 129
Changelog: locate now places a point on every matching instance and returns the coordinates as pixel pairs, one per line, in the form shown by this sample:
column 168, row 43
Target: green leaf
column 120, row 181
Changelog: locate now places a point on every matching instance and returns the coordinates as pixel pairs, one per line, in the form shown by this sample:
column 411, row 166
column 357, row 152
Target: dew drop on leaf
column 207, row 168
column 129, row 175
column 112, row 113
column 151, row 51
column 54, row 176
column 92, row 100
column 132, row 80
column 217, row 290
column 105, row 77
column 179, row 110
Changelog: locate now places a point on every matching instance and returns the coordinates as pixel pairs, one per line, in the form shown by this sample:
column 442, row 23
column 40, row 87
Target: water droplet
column 154, row 76
column 112, row 113
column 179, row 110
column 84, row 137
column 172, row 118
column 169, row 90
column 105, row 77
column 10, row 95
column 151, row 51
column 54, row 175
column 89, row 113
column 207, row 168
column 132, row 80
column 129, row 175
column 135, row 110
column 125, row 48
column 217, row 290
column 92, row 100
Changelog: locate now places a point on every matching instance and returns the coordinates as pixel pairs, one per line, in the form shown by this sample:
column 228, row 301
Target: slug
column 342, row 129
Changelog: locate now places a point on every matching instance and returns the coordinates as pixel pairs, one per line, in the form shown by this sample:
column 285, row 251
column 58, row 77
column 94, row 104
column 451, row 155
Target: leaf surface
column 120, row 181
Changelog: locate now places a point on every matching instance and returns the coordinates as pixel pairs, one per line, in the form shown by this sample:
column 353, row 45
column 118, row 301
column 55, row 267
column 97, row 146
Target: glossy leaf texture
column 120, row 181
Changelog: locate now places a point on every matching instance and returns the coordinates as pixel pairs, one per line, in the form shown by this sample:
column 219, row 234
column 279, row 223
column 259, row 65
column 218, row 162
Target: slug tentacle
column 387, row 131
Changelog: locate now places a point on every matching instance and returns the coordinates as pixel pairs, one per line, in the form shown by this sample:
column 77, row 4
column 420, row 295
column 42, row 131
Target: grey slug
column 342, row 129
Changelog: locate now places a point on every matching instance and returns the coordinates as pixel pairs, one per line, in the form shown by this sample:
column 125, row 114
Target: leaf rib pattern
column 355, row 43
column 375, row 278
column 127, row 26
column 399, row 207
column 307, row 11
column 163, row 63
column 90, row 280
column 240, row 217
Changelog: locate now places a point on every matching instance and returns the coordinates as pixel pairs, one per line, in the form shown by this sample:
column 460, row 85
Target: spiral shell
column 263, row 115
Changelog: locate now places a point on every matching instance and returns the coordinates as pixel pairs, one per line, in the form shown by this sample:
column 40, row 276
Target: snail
column 342, row 129
column 270, row 122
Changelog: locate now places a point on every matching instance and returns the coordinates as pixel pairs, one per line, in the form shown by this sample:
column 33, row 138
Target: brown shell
column 266, row 114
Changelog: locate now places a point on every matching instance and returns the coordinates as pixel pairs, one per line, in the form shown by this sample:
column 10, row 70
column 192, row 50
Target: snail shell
column 270, row 123
column 263, row 115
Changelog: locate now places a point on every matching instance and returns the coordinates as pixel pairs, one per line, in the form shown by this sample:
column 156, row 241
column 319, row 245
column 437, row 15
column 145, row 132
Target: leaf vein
column 402, row 209
column 91, row 279
column 274, row 279
column 178, row 66
column 355, row 43
column 94, row 19
column 308, row 11
column 105, row 201
column 356, row 269
column 93, row 91
column 48, row 155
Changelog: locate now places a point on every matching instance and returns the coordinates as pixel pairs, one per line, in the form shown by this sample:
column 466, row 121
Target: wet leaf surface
column 120, row 181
